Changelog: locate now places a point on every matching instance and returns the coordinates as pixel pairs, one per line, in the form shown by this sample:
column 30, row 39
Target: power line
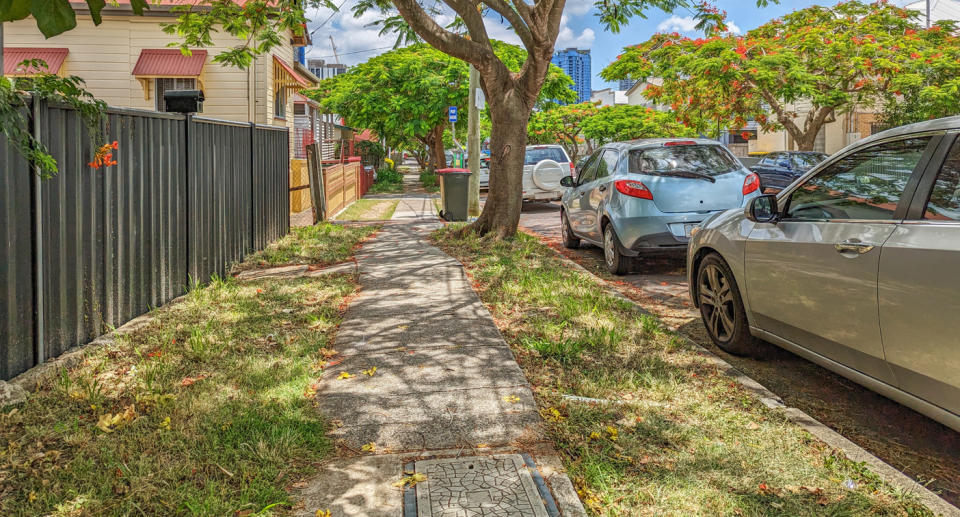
column 354, row 52
column 334, row 13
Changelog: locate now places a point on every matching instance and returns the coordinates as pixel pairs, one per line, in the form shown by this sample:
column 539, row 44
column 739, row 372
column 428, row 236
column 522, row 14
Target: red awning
column 293, row 74
column 169, row 62
column 13, row 56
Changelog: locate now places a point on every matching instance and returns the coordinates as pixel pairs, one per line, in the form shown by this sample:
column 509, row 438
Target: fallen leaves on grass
column 109, row 422
column 753, row 426
column 344, row 375
column 369, row 447
column 189, row 381
column 410, row 480
column 370, row 371
column 322, row 513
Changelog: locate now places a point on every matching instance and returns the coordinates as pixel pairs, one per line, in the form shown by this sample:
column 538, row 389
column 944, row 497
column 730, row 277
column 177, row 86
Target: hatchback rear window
column 711, row 160
column 536, row 155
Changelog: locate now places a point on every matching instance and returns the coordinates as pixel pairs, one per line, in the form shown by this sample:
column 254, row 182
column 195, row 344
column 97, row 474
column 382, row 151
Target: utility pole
column 473, row 146
column 928, row 14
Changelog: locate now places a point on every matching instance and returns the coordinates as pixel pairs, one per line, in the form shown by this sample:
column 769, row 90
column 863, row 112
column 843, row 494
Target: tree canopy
column 834, row 59
column 404, row 94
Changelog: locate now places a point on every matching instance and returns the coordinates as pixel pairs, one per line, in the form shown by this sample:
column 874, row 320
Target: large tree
column 511, row 95
column 562, row 125
column 404, row 94
column 804, row 69
column 630, row 122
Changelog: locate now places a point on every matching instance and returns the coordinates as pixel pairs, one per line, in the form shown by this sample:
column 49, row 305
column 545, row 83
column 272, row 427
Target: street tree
column 511, row 94
column 832, row 59
column 562, row 125
column 630, row 122
column 404, row 94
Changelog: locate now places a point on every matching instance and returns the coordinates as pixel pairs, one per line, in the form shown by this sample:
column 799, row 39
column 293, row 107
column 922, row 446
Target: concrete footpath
column 426, row 384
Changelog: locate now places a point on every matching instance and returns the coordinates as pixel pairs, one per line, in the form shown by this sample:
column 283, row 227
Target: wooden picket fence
column 341, row 183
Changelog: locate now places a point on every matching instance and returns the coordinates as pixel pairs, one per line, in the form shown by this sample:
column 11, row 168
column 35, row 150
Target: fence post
column 188, row 210
column 38, row 333
column 254, row 245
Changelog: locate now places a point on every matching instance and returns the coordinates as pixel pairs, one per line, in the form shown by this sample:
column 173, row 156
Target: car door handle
column 602, row 188
column 582, row 192
column 853, row 246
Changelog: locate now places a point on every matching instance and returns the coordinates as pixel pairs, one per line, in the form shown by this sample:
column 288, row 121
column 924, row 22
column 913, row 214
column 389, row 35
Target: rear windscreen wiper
column 687, row 174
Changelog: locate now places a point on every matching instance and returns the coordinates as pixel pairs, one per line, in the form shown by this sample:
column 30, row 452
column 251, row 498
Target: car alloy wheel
column 615, row 262
column 569, row 239
column 716, row 298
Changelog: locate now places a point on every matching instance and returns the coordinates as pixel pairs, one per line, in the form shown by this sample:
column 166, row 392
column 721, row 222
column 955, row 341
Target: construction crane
column 334, row 45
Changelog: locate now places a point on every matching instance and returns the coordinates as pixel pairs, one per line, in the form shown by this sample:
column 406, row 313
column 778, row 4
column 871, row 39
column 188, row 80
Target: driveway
column 913, row 443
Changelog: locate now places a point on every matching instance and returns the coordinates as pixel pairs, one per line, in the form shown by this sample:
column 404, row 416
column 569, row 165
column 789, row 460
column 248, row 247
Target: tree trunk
column 508, row 138
column 437, row 158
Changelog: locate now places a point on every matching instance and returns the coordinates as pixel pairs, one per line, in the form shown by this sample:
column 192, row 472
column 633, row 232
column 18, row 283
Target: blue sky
column 357, row 42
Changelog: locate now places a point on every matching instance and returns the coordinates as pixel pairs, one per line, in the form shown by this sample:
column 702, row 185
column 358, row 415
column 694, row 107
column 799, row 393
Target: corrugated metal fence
column 188, row 197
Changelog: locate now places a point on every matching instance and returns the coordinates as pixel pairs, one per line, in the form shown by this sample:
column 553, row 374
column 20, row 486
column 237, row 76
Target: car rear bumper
column 661, row 234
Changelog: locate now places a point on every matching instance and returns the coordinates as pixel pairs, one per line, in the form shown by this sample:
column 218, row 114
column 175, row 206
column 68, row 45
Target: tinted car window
column 867, row 184
column 769, row 159
column 944, row 203
column 712, row 160
column 589, row 171
column 607, row 163
column 807, row 161
column 536, row 155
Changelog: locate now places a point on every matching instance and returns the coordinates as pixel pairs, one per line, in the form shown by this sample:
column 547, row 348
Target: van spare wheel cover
column 547, row 175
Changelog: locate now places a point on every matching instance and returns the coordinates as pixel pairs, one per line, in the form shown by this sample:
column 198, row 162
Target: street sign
column 452, row 113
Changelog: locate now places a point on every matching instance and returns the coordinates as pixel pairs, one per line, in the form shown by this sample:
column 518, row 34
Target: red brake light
column 751, row 183
column 633, row 188
column 572, row 169
column 679, row 142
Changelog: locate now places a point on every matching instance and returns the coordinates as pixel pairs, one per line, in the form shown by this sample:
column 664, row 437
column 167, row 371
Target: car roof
column 646, row 143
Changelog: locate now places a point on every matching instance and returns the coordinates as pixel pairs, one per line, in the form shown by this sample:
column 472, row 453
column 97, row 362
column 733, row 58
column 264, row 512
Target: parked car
column 779, row 169
column 868, row 240
column 543, row 168
column 646, row 196
column 484, row 171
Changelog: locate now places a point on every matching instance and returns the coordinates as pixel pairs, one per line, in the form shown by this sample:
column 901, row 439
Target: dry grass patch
column 321, row 244
column 679, row 437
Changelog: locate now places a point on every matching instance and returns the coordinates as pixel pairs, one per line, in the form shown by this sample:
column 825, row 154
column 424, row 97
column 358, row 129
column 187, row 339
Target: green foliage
column 52, row 88
column 56, row 16
column 838, row 59
column 561, row 125
column 430, row 180
column 626, row 122
column 404, row 94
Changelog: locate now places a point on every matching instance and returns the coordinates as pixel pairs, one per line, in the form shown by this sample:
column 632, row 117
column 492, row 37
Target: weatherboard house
column 126, row 62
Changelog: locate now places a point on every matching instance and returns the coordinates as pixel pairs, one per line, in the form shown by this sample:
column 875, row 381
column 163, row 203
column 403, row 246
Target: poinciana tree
column 562, row 125
column 404, row 94
column 511, row 94
column 630, row 122
column 835, row 59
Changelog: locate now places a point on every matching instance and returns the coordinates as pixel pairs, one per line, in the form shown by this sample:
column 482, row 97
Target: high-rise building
column 576, row 63
column 324, row 70
column 625, row 84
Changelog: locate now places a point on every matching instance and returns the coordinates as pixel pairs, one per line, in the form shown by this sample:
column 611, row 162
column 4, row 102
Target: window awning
column 286, row 76
column 13, row 56
column 169, row 62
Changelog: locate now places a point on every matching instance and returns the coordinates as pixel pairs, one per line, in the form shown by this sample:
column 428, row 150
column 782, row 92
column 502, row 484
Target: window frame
column 924, row 187
column 907, row 200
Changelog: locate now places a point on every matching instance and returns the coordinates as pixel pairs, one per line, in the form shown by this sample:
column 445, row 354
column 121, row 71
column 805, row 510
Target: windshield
column 711, row 160
column 807, row 161
column 536, row 155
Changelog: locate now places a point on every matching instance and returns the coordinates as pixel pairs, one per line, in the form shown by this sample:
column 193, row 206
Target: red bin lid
column 452, row 169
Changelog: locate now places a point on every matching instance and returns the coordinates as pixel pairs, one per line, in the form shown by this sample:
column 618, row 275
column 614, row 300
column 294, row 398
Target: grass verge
column 369, row 210
column 205, row 411
column 321, row 244
column 681, row 437
column 430, row 181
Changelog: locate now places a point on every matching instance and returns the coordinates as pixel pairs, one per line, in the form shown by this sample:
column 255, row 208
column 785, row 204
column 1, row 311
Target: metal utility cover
column 499, row 485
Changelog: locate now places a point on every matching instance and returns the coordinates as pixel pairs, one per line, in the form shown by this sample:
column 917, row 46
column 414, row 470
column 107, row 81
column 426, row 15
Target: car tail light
column 751, row 183
column 679, row 142
column 633, row 188
column 573, row 169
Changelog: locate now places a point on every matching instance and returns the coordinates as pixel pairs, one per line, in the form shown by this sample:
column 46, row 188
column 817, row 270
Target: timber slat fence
column 91, row 249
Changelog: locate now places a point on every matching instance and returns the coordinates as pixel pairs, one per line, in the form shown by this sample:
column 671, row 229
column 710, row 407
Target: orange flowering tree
column 562, row 125
column 801, row 71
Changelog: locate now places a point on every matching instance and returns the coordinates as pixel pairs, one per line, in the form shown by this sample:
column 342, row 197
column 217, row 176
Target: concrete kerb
column 852, row 451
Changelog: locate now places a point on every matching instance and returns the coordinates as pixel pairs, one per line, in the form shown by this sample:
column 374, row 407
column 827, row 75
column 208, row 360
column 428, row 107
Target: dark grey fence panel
column 219, row 196
column 112, row 236
column 118, row 240
column 16, row 264
column 271, row 185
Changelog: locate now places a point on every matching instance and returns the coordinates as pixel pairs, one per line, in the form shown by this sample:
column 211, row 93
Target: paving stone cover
column 493, row 486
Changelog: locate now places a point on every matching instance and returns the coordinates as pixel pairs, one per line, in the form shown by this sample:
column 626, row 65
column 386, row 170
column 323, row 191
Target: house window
column 280, row 103
column 299, row 109
column 172, row 83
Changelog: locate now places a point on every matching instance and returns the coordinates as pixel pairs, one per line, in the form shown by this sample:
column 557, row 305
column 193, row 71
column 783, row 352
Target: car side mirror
column 763, row 209
column 567, row 181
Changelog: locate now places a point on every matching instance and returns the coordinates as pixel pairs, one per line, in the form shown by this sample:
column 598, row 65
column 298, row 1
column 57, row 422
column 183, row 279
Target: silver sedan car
column 854, row 266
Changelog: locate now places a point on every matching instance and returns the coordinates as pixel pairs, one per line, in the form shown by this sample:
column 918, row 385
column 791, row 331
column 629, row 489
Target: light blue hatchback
column 645, row 196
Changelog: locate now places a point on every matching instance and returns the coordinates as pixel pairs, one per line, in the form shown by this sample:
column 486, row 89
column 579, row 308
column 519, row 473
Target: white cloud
column 687, row 25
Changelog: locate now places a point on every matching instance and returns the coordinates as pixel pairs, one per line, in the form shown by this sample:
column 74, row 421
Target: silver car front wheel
column 722, row 308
